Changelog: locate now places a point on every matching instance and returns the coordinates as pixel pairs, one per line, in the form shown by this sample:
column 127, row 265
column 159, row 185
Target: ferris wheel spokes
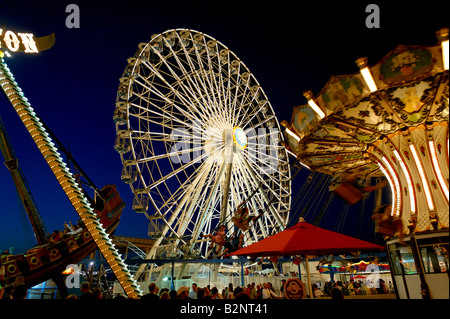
column 212, row 197
column 197, row 204
column 164, row 98
column 193, row 205
column 252, row 174
column 185, row 189
column 198, row 83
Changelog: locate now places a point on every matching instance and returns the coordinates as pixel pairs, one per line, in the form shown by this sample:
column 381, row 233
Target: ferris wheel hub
column 239, row 137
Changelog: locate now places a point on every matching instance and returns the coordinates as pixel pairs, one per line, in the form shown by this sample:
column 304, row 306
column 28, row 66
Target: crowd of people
column 339, row 289
column 266, row 290
column 336, row 290
column 252, row 291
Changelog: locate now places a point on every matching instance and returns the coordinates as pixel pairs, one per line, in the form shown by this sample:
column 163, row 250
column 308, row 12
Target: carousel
column 387, row 126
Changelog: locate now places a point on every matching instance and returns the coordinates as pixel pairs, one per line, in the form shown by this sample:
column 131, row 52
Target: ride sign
column 295, row 289
column 24, row 42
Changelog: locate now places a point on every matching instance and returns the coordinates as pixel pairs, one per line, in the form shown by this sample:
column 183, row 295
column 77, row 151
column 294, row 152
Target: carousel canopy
column 412, row 90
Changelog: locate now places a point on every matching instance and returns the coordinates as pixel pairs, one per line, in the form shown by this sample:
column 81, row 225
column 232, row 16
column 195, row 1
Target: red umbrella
column 306, row 239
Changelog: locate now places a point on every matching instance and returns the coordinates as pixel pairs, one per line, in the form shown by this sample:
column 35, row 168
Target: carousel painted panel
column 439, row 199
column 341, row 91
column 335, row 158
column 323, row 147
column 405, row 64
column 439, row 110
column 421, row 141
column 338, row 132
column 413, row 102
column 303, row 119
column 369, row 114
column 419, row 216
column 336, row 168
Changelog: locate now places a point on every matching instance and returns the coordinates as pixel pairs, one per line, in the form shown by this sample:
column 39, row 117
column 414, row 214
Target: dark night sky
column 73, row 86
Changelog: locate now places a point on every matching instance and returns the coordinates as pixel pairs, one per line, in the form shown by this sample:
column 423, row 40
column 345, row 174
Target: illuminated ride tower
column 391, row 120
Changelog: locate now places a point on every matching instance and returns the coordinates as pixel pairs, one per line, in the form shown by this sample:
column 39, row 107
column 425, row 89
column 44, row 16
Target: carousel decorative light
column 293, row 135
column 443, row 37
column 423, row 177
column 408, row 181
column 396, row 189
column 313, row 104
column 367, row 75
column 437, row 168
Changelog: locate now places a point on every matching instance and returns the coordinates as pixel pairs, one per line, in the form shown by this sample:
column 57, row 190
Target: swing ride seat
column 349, row 193
column 240, row 224
column 385, row 229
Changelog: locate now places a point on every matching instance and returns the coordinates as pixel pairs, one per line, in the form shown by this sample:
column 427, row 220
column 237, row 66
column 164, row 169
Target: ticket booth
column 420, row 268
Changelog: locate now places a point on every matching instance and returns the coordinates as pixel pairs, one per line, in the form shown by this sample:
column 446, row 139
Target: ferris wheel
column 197, row 137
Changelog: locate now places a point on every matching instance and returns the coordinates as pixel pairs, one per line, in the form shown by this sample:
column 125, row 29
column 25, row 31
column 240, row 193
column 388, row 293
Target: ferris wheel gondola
column 196, row 135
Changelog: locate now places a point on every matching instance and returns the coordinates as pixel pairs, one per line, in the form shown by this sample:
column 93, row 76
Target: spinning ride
column 391, row 120
column 196, row 136
column 46, row 260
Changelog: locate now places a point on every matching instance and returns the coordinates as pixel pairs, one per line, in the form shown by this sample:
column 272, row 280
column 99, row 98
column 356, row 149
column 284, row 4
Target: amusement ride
column 197, row 138
column 99, row 215
column 389, row 120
